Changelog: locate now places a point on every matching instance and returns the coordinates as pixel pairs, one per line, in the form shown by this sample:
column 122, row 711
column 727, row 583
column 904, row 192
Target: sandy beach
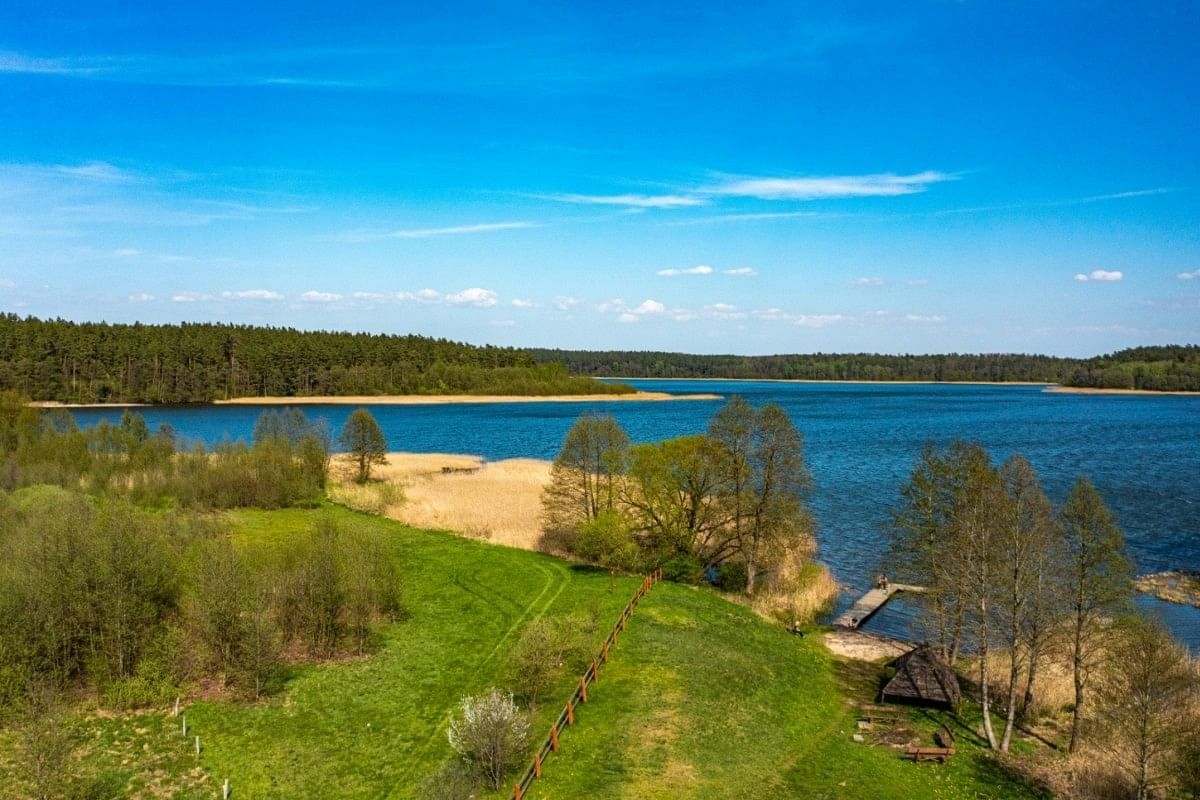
column 1131, row 392
column 445, row 399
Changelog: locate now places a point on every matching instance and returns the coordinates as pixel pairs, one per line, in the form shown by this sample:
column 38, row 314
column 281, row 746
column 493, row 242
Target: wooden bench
column 938, row 754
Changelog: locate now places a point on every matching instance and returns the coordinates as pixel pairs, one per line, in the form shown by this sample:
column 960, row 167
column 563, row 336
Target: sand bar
column 1131, row 392
column 447, row 399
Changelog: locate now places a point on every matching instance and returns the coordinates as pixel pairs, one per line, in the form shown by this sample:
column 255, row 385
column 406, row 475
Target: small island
column 1180, row 586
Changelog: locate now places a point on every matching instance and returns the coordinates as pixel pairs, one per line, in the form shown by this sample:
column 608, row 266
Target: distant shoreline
column 823, row 380
column 1055, row 389
column 403, row 400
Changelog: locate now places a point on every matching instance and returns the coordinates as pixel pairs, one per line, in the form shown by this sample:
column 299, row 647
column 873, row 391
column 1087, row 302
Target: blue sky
column 916, row 177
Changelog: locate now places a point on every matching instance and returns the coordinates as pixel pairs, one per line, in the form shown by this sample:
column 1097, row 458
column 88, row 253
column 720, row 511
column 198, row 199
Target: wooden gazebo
column 922, row 678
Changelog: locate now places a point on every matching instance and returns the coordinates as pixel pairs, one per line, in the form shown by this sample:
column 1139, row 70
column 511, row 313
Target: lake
column 1142, row 453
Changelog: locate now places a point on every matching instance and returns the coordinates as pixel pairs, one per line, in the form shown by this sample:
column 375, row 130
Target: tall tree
column 585, row 475
column 364, row 441
column 1026, row 537
column 1099, row 581
column 777, row 516
column 1144, row 701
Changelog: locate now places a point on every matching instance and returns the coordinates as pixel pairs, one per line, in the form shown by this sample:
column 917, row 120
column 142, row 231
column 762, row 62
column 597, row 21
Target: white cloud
column 480, row 298
column 252, row 294
column 818, row 320
column 1189, row 276
column 523, row 303
column 630, row 200
column 924, row 318
column 628, row 317
column 428, row 233
column 814, row 188
column 1099, row 275
column 126, row 252
column 320, row 297
column 95, row 171
column 421, row 296
column 374, row 297
column 140, row 297
column 869, row 282
column 740, row 272
column 724, row 311
column 18, row 63
column 189, row 297
column 702, row 269
column 616, row 304
column 683, row 315
column 564, row 303
column 772, row 314
column 650, row 307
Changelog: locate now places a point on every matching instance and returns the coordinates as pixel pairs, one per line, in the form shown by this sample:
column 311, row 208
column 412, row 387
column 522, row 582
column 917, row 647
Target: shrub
column 491, row 734
column 682, row 569
column 732, row 577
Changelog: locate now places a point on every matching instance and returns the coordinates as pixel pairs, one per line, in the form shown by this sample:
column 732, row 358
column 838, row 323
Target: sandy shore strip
column 464, row 399
column 57, row 404
column 1130, row 392
column 862, row 646
column 831, row 381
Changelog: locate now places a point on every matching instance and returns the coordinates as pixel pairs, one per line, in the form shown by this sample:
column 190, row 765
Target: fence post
column 197, row 746
column 517, row 792
column 537, row 765
column 554, row 738
column 605, row 653
column 583, row 688
column 184, row 724
column 595, row 671
column 176, row 714
column 225, row 790
column 570, row 713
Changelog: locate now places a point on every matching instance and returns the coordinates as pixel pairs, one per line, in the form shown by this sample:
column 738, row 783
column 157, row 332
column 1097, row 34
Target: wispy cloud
column 626, row 313
column 819, row 320
column 429, row 233
column 126, row 252
column 19, row 63
column 924, row 318
column 140, row 297
column 869, row 282
column 190, row 297
column 525, row 303
column 320, row 297
column 702, row 269
column 740, row 272
column 818, row 188
column 630, row 200
column 252, row 294
column 564, row 303
column 753, row 217
column 1194, row 275
column 1099, row 275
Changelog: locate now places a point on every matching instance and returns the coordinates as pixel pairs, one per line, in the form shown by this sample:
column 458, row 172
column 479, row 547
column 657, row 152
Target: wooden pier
column 869, row 603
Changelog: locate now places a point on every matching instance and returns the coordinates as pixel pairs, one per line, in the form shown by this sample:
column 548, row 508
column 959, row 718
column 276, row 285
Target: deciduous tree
column 364, row 442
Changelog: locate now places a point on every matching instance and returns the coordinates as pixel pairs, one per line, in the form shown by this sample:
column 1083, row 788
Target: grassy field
column 702, row 699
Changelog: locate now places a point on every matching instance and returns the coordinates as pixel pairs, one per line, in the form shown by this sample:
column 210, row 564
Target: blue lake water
column 1143, row 453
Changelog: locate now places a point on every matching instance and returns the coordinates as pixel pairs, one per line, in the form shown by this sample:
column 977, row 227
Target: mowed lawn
column 701, row 698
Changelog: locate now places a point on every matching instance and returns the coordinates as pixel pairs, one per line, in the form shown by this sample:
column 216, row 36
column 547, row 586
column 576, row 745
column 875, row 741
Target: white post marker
column 225, row 790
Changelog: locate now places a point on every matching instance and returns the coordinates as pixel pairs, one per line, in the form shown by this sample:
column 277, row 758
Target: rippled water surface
column 1143, row 453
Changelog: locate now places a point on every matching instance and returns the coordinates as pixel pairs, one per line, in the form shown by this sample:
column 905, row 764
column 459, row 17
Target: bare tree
column 490, row 733
column 585, row 475
column 1099, row 581
column 1025, row 538
column 1143, row 700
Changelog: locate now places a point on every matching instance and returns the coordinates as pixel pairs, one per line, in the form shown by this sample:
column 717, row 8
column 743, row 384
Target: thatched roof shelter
column 922, row 678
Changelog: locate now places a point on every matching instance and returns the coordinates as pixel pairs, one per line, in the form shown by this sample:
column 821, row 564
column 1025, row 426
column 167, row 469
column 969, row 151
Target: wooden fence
column 592, row 674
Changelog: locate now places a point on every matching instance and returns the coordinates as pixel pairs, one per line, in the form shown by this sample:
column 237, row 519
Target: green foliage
column 683, row 568
column 193, row 363
column 1169, row 368
column 364, row 442
column 585, row 475
column 605, row 540
column 731, row 576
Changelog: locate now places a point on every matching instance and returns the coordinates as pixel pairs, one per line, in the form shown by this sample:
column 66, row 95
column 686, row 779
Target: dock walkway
column 871, row 602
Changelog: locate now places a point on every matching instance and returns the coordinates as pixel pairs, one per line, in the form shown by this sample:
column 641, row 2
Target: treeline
column 1175, row 367
column 729, row 504
column 58, row 360
column 1011, row 579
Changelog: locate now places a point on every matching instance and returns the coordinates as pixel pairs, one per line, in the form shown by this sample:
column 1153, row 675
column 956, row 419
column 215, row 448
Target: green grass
column 701, row 698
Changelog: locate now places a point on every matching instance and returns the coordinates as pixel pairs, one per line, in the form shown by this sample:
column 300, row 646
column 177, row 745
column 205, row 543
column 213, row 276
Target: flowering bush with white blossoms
column 492, row 733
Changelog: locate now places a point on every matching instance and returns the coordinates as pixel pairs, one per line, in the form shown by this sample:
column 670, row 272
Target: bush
column 682, row 569
column 492, row 734
column 456, row 780
column 732, row 577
